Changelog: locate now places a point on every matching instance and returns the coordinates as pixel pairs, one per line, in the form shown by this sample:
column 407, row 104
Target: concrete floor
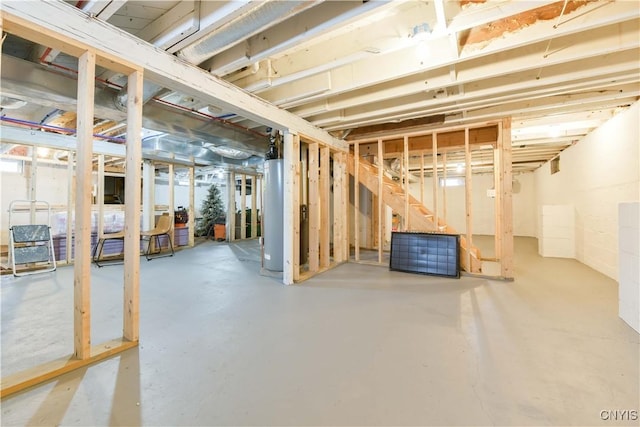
column 358, row 345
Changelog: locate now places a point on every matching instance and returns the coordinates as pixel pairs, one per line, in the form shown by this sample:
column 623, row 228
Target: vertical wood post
column 192, row 209
column 434, row 180
column 33, row 184
column 405, row 178
column 70, row 203
column 444, row 187
column 291, row 211
column 422, row 178
column 468, row 201
column 243, row 206
column 356, row 201
column 131, row 329
column 338, row 207
column 325, row 190
column 148, row 196
column 231, row 206
column 381, row 210
column 82, row 265
column 314, row 208
column 506, row 260
column 254, row 207
column 100, row 196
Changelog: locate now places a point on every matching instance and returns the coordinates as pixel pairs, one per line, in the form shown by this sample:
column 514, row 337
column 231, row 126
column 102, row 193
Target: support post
column 338, row 207
column 100, row 198
column 356, row 201
column 243, row 206
column 467, row 196
column 131, row 329
column 82, row 265
column 381, row 209
column 405, row 178
column 325, row 189
column 148, row 196
column 434, row 180
column 506, row 258
column 231, row 206
column 422, row 178
column 254, row 208
column 70, row 203
column 192, row 209
column 444, row 187
column 314, row 208
column 291, row 238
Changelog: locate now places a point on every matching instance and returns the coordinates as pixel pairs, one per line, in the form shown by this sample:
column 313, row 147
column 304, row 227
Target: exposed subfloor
column 357, row 345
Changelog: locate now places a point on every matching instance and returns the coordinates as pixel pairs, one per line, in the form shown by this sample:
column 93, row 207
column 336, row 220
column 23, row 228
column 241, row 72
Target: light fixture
column 420, row 34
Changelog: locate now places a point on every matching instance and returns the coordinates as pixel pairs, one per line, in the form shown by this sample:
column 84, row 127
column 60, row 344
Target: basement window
column 11, row 165
column 451, row 182
column 555, row 165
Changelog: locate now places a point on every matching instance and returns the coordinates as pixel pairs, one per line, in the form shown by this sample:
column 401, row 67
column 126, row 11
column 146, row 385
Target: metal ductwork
column 188, row 134
column 264, row 15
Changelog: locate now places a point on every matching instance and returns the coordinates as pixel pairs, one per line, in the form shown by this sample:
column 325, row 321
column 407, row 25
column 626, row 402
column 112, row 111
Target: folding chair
column 162, row 228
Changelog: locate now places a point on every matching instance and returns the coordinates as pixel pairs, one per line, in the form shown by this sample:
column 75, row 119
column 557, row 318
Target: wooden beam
column 338, row 207
column 192, row 208
column 243, row 206
column 82, row 264
column 405, row 183
column 356, row 201
column 71, row 196
column 314, row 208
column 231, row 206
column 506, row 258
column 133, row 161
column 254, row 208
column 100, row 201
column 50, row 370
column 345, row 207
column 381, row 209
column 67, row 28
column 422, row 178
column 291, row 233
column 172, row 201
column 33, row 184
column 434, row 180
column 468, row 200
column 444, row 187
column 325, row 190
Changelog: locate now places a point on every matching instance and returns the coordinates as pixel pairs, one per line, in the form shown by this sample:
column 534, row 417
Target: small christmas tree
column 212, row 211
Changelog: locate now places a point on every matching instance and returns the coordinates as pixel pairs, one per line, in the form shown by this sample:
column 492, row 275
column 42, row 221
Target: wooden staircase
column 421, row 219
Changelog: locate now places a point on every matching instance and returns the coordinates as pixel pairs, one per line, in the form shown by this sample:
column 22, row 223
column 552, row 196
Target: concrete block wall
column 596, row 174
column 557, row 231
column 629, row 263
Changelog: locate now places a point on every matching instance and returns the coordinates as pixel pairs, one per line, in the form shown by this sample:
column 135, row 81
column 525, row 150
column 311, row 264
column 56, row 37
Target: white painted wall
column 629, row 264
column 483, row 207
column 599, row 172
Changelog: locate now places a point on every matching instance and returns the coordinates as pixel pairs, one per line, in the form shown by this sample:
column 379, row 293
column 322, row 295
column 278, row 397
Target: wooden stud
column 467, row 197
column 172, row 201
column 506, row 258
column 148, row 196
column 338, row 213
column 50, row 370
column 381, row 210
column 133, row 163
column 345, row 207
column 82, row 265
column 356, row 201
column 192, row 210
column 254, row 207
column 70, row 203
column 314, row 208
column 291, row 234
column 325, row 189
column 100, row 201
column 33, row 184
column 243, row 206
column 405, row 179
column 434, row 181
column 422, row 178
column 295, row 184
column 444, row 187
column 231, row 206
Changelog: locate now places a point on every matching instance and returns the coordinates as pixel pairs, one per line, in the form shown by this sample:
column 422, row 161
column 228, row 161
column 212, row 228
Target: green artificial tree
column 212, row 211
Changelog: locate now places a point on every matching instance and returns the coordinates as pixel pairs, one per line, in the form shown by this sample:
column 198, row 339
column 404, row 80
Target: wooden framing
column 381, row 210
column 254, row 210
column 243, row 206
column 405, row 180
column 291, row 234
column 314, row 208
column 70, row 203
column 440, row 141
column 325, row 231
column 192, row 211
column 88, row 57
column 231, row 206
column 356, row 202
